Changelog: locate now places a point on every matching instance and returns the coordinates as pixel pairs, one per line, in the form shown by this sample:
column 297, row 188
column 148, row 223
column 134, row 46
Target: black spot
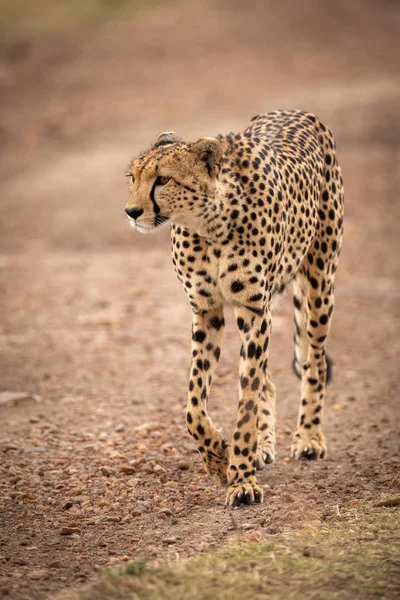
column 255, row 298
column 236, row 286
column 240, row 323
column 251, row 350
column 296, row 302
column 216, row 322
column 244, row 382
column 199, row 336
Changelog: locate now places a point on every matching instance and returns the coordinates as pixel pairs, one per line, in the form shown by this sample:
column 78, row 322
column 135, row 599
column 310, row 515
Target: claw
column 309, row 448
column 267, row 457
column 247, row 493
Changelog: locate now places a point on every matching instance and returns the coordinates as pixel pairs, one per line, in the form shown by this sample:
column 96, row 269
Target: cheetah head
column 176, row 182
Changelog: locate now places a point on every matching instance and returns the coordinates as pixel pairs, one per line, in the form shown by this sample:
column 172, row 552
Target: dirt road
column 96, row 466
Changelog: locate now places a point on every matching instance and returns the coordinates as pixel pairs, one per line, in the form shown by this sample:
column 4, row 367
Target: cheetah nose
column 134, row 213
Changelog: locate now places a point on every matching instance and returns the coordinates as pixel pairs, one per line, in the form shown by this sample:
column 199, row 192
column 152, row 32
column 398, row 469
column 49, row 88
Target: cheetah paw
column 244, row 493
column 265, row 456
column 308, row 448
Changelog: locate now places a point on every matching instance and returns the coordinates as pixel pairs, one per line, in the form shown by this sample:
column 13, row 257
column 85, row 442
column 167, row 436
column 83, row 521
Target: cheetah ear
column 166, row 138
column 209, row 151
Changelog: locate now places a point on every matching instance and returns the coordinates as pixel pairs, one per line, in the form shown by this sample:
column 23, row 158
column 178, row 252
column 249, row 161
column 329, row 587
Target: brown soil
column 95, row 328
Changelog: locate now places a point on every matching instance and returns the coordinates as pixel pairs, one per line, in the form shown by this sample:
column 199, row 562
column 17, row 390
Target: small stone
column 152, row 426
column 67, row 505
column 103, row 436
column 353, row 502
column 10, row 397
column 34, row 420
column 385, row 478
column 30, row 449
column 105, row 471
column 55, row 564
column 248, row 526
column 170, row 540
column 16, row 495
column 6, row 446
column 159, row 469
column 127, row 469
column 66, row 530
column 120, row 428
column 183, row 465
column 15, row 479
column 18, row 561
column 39, row 574
column 393, row 501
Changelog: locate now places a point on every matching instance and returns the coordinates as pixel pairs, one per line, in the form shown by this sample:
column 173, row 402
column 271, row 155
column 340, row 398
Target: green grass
column 356, row 557
column 38, row 18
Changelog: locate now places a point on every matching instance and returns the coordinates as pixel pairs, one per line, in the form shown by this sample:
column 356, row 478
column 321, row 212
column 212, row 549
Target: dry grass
column 356, row 557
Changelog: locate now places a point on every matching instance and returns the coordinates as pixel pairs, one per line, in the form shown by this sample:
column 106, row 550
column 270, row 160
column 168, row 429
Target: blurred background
column 93, row 323
column 84, row 85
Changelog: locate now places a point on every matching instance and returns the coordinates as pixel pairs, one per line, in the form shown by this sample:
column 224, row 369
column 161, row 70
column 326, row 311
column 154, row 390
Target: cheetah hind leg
column 216, row 462
column 266, row 425
column 313, row 311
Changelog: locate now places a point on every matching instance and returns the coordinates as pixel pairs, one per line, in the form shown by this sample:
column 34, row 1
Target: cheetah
column 249, row 213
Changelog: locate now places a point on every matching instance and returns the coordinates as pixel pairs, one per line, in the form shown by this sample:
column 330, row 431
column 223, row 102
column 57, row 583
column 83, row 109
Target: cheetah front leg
column 254, row 331
column 207, row 334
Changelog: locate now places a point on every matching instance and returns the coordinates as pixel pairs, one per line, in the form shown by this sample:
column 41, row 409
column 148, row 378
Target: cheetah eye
column 162, row 180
